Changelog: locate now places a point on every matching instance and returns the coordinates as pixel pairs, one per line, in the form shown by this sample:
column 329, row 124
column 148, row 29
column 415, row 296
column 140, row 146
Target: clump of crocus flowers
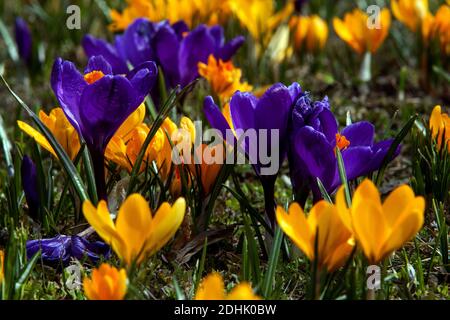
column 212, row 288
column 329, row 233
column 190, row 11
column 97, row 102
column 106, row 283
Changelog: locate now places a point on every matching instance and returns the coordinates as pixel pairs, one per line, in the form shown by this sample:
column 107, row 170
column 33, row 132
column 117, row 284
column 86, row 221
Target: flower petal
column 134, row 225
column 211, row 288
column 359, row 133
column 215, row 116
column 98, row 63
column 95, row 47
column 166, row 222
column 296, row 227
column 68, row 85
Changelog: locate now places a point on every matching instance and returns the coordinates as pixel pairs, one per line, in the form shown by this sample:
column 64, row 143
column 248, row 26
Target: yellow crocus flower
column 106, row 283
column 259, row 16
column 207, row 171
column 224, row 77
column 335, row 241
column 440, row 123
column 179, row 136
column 133, row 121
column 357, row 33
column 136, row 233
column 410, row 12
column 212, row 288
column 124, row 152
column 441, row 28
column 309, row 31
column 380, row 228
column 61, row 129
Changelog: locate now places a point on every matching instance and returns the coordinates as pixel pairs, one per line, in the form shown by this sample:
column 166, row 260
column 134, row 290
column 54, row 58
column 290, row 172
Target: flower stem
column 269, row 201
column 365, row 73
column 98, row 161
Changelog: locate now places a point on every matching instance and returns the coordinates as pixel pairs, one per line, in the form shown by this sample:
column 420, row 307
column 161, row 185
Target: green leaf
column 26, row 273
column 273, row 262
column 441, row 72
column 67, row 164
column 178, row 291
column 201, row 266
column 7, row 147
column 9, row 42
column 104, row 8
column 252, row 250
column 88, row 167
column 323, row 191
column 343, row 176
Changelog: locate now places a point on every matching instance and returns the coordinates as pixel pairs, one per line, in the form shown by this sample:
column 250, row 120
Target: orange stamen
column 341, row 142
column 93, row 76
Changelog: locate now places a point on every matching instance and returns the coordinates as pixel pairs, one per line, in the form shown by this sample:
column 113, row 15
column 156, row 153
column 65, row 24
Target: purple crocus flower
column 61, row 249
column 315, row 136
column 98, row 102
column 270, row 112
column 176, row 50
column 99, row 47
column 30, row 186
column 23, row 40
column 199, row 44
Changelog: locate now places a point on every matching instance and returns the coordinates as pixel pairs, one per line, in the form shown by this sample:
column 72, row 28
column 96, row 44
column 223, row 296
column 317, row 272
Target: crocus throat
column 93, row 76
column 341, row 142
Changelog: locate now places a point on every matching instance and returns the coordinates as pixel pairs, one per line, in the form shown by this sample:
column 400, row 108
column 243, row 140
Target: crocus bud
column 23, row 40
column 30, row 186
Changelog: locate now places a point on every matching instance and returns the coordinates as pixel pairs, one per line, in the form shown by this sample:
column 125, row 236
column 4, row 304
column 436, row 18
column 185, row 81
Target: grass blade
column 9, row 42
column 7, row 147
column 323, row 191
column 173, row 99
column 178, row 291
column 273, row 262
column 343, row 176
column 92, row 188
column 26, row 273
